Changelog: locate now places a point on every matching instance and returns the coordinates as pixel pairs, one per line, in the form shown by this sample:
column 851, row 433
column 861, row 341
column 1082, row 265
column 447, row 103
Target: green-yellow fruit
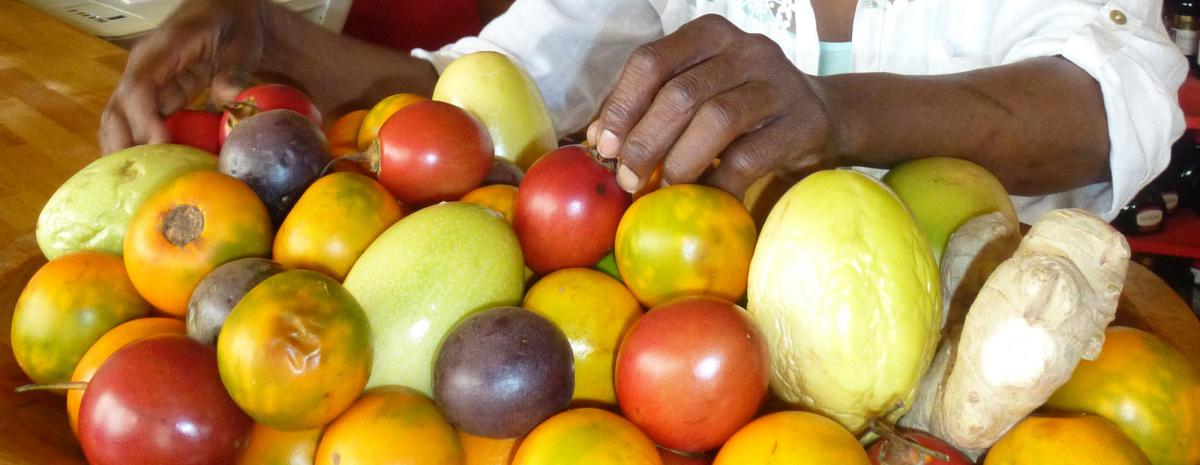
column 92, row 209
column 423, row 275
column 943, row 193
column 504, row 98
column 846, row 292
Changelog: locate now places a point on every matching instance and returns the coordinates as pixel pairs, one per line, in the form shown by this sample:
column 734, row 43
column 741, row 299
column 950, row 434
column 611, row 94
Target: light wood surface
column 54, row 81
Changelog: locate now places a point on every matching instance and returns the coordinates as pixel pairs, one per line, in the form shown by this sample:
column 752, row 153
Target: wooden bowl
column 34, row 430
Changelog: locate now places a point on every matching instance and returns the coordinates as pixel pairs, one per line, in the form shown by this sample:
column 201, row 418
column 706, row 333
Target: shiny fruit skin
column 1146, row 388
column 266, row 97
column 159, row 401
column 480, row 450
column 166, row 270
column 221, row 290
column 685, row 239
column 333, row 223
column 107, row 345
column 905, row 455
column 66, row 307
column 392, row 425
column 587, row 436
column 268, row 446
column 502, row 371
column 691, row 372
column 431, row 152
column 567, row 211
column 342, row 135
column 499, row 197
column 1069, row 439
column 374, row 118
column 278, row 154
column 199, row 129
column 595, row 312
column 794, row 438
column 296, row 351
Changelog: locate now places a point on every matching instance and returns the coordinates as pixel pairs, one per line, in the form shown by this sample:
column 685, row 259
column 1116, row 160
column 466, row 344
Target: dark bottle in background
column 1185, row 28
column 1185, row 158
column 1144, row 215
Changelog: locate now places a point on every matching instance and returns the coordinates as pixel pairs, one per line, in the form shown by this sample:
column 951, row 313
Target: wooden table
column 54, row 81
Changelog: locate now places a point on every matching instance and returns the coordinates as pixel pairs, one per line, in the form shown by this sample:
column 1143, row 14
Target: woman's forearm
column 336, row 70
column 1039, row 125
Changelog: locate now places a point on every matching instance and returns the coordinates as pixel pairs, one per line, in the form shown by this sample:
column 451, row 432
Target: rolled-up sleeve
column 1123, row 45
column 573, row 50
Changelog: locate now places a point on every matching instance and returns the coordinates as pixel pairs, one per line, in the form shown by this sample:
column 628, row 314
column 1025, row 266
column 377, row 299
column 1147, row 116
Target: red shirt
column 408, row 24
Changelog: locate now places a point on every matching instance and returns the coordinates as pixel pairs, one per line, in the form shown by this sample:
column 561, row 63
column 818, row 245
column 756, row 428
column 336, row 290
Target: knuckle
column 750, row 162
column 647, row 61
column 715, row 21
column 684, row 91
column 676, row 171
column 616, row 113
column 635, row 152
column 723, row 112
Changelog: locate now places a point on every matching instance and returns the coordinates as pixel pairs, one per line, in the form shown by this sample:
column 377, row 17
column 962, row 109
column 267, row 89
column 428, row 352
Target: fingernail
column 627, row 179
column 591, row 132
column 609, row 145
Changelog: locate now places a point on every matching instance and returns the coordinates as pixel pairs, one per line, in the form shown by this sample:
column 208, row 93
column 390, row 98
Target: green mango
column 424, row 274
column 92, row 209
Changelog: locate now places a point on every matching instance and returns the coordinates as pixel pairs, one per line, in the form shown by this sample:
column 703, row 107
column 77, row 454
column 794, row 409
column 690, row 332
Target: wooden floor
column 54, row 82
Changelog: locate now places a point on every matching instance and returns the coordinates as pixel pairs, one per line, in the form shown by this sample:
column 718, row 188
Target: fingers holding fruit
column 711, row 91
column 205, row 43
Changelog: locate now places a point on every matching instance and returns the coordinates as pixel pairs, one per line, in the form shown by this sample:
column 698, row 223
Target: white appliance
column 123, row 21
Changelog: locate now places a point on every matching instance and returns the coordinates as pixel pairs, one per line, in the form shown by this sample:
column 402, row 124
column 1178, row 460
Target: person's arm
column 338, row 70
column 1042, row 123
column 1039, row 125
column 218, row 44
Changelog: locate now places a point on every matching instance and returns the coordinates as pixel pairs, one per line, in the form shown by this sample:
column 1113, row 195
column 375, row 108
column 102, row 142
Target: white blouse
column 574, row 50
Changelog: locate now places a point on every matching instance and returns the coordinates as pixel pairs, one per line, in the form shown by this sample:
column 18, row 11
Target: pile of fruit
column 435, row 281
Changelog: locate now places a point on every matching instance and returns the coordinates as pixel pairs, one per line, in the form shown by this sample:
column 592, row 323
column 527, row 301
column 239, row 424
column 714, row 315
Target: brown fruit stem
column 182, row 224
column 609, row 164
column 77, row 386
column 368, row 159
column 889, row 433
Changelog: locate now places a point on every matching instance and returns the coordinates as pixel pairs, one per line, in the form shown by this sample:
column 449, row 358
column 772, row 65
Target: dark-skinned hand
column 712, row 91
column 205, row 43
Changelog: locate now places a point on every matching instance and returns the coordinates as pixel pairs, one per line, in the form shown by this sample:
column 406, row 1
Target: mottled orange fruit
column 269, row 446
column 1145, row 387
column 795, row 438
column 66, row 307
column 333, row 223
column 685, row 240
column 296, row 351
column 1071, row 439
column 342, row 135
column 187, row 228
column 481, row 450
column 594, row 311
column 587, row 436
column 395, row 425
column 498, row 197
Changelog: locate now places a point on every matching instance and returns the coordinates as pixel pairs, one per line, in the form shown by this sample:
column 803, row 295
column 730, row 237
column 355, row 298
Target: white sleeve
column 1124, row 46
column 574, row 50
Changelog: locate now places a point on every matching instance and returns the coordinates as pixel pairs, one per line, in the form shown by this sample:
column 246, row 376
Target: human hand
column 205, row 43
column 712, row 91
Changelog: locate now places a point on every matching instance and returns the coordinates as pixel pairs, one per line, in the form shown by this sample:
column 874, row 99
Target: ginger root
column 973, row 252
column 1036, row 316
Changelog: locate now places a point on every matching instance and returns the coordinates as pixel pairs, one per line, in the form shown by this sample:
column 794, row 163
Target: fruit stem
column 608, row 163
column 52, row 387
column 889, row 433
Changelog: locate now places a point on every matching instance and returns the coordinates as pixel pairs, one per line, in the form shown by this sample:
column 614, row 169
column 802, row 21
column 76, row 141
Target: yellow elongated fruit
column 845, row 289
column 505, row 99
